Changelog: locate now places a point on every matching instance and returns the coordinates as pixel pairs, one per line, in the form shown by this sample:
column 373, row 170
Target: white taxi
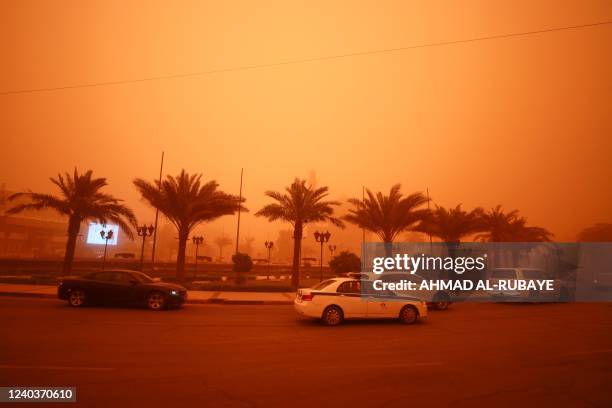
column 436, row 299
column 336, row 299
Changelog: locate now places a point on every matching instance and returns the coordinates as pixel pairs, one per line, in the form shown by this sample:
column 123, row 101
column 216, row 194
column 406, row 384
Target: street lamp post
column 197, row 241
column 106, row 235
column 269, row 245
column 322, row 238
column 332, row 249
column 144, row 232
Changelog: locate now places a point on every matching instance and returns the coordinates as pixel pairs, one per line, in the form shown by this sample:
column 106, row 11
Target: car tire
column 534, row 296
column 332, row 316
column 564, row 295
column 409, row 314
column 156, row 301
column 77, row 297
column 441, row 301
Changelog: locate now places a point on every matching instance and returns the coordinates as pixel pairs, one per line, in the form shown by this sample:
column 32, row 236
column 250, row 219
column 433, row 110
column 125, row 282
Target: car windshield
column 535, row 274
column 503, row 274
column 143, row 277
column 324, row 284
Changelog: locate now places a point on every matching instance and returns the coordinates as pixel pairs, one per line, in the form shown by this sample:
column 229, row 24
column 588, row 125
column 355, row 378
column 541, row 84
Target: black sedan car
column 120, row 287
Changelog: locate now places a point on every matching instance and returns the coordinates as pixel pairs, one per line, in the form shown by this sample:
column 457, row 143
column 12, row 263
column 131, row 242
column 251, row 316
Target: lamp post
column 106, row 235
column 332, row 249
column 269, row 245
column 322, row 238
column 144, row 232
column 197, row 241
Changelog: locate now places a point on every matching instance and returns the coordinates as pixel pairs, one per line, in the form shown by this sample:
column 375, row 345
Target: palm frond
column 188, row 201
column 387, row 215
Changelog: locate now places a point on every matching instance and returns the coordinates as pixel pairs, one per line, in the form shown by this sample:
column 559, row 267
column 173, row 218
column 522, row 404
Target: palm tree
column 498, row 226
column 600, row 232
column 521, row 232
column 299, row 205
column 453, row 224
column 388, row 215
column 80, row 200
column 187, row 202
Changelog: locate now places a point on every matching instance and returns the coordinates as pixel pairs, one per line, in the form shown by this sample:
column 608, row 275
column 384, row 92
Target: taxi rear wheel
column 409, row 315
column 332, row 316
column 441, row 301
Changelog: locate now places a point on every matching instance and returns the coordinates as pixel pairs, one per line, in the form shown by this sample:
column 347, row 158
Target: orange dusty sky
column 523, row 121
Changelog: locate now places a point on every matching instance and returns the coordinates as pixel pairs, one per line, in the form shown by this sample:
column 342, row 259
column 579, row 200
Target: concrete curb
column 212, row 301
column 27, row 294
column 252, row 302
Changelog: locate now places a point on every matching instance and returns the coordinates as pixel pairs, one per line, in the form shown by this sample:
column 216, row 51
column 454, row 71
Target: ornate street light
column 322, row 238
column 332, row 249
column 106, row 235
column 269, row 245
column 197, row 241
column 144, row 232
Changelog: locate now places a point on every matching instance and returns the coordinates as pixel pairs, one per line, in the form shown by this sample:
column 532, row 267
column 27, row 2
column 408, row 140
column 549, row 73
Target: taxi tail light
column 308, row 297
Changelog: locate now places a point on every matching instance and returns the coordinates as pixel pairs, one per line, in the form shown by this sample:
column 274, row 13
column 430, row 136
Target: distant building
column 31, row 238
column 31, row 234
column 43, row 235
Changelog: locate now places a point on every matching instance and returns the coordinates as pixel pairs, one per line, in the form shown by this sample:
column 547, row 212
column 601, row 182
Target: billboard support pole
column 430, row 240
column 161, row 167
column 239, row 207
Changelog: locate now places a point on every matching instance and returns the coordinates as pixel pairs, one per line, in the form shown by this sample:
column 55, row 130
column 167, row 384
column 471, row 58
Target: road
column 247, row 356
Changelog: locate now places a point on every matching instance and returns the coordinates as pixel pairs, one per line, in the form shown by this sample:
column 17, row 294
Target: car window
column 142, row 277
column 324, row 284
column 103, row 276
column 503, row 274
column 123, row 277
column 349, row 287
column 416, row 278
column 391, row 278
column 368, row 289
column 396, row 278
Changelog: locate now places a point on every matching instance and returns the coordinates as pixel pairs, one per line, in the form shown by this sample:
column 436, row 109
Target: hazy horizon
column 524, row 122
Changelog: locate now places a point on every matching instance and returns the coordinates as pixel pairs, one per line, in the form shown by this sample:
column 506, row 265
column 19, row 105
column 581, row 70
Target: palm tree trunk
column 452, row 247
column 74, row 226
column 180, row 258
column 388, row 245
column 297, row 249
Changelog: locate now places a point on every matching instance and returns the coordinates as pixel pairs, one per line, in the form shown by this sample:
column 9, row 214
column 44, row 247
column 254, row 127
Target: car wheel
column 156, row 301
column 564, row 295
column 441, row 301
column 409, row 314
column 332, row 316
column 76, row 298
column 534, row 296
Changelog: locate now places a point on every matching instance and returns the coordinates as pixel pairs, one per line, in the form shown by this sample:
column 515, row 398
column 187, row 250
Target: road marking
column 579, row 353
column 73, row 368
column 402, row 365
column 374, row 365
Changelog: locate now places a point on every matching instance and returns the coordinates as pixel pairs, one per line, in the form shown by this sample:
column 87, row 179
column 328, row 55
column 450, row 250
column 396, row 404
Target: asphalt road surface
column 247, row 356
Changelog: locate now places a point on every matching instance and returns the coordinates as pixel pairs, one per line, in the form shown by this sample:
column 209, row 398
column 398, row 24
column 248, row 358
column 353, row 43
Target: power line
column 304, row 60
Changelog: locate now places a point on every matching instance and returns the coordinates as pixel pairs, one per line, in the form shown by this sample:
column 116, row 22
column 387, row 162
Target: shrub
column 344, row 262
column 242, row 262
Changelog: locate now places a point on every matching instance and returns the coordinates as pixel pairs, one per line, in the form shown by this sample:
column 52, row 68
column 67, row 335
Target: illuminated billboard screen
column 94, row 237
